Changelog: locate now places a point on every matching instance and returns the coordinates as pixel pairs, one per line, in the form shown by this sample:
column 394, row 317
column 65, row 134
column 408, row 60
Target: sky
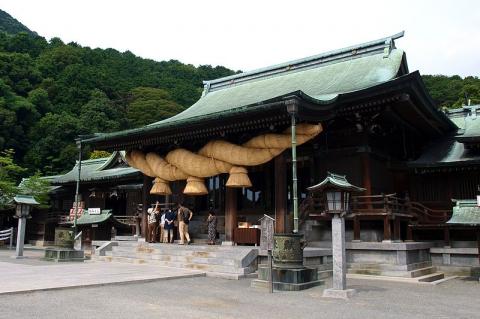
column 441, row 37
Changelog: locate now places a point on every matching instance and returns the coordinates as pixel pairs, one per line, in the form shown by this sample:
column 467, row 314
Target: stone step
column 191, row 246
column 422, row 272
column 182, row 251
column 389, row 267
column 181, row 258
column 431, row 277
column 202, row 267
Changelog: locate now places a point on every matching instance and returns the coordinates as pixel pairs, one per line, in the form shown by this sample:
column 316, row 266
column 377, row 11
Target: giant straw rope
column 216, row 157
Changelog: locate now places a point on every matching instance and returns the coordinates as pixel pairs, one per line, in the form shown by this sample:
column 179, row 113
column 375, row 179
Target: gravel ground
column 218, row 298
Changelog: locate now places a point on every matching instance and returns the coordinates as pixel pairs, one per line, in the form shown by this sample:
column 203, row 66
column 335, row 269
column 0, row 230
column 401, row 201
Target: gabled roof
column 469, row 123
column 97, row 169
column 321, row 78
column 87, row 219
column 465, row 212
column 454, row 150
column 335, row 181
column 25, row 199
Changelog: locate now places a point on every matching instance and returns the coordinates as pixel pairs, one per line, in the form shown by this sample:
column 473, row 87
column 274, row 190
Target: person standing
column 162, row 228
column 152, row 223
column 212, row 227
column 168, row 227
column 184, row 217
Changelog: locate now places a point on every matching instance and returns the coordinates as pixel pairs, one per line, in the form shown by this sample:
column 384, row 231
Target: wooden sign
column 267, row 227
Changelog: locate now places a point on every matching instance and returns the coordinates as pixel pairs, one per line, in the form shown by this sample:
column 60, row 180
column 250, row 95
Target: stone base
column 18, row 257
column 64, row 254
column 282, row 286
column 287, row 279
column 338, row 293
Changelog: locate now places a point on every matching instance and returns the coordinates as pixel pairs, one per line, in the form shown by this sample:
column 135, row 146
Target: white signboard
column 94, row 211
column 478, row 200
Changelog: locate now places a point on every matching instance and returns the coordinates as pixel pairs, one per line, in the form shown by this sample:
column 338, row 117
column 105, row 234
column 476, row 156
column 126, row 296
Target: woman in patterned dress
column 212, row 227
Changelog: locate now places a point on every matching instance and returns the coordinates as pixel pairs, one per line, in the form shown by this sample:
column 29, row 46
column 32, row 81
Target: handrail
column 7, row 234
column 128, row 220
column 381, row 205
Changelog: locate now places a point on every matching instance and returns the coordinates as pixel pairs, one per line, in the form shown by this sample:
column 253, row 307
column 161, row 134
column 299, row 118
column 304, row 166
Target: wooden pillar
column 387, row 233
column 396, row 229
column 230, row 213
column 356, row 228
column 280, row 171
column 145, row 190
column 367, row 180
column 409, row 233
column 446, row 236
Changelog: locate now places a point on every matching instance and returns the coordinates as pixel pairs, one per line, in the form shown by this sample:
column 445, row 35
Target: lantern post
column 24, row 205
column 337, row 194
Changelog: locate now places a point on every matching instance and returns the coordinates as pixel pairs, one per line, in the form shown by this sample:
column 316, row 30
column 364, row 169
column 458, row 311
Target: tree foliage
column 9, row 173
column 51, row 92
column 453, row 91
column 37, row 187
column 99, row 154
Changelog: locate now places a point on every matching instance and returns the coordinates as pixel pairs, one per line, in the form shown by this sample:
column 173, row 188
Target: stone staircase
column 230, row 262
column 422, row 272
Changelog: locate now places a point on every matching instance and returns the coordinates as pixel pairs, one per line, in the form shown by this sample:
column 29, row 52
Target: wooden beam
column 280, row 167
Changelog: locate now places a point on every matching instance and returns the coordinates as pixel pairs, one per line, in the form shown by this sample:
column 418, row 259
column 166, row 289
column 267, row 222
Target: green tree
column 99, row 114
column 148, row 105
column 37, row 187
column 99, row 154
column 9, row 174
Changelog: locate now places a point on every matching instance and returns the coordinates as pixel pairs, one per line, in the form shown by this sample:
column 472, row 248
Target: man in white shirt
column 153, row 223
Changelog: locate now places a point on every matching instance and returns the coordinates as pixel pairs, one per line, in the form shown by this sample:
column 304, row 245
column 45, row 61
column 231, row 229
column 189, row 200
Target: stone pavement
column 34, row 274
column 205, row 298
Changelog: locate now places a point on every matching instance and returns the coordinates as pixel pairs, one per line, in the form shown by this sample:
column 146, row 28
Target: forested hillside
column 50, row 92
column 453, row 91
column 10, row 25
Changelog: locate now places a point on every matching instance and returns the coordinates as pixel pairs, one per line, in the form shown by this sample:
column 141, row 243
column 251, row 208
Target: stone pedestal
column 338, row 293
column 287, row 279
column 22, row 223
column 64, row 254
column 339, row 289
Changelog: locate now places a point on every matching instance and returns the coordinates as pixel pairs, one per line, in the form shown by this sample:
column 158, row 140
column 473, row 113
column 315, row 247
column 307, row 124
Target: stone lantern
column 24, row 205
column 337, row 190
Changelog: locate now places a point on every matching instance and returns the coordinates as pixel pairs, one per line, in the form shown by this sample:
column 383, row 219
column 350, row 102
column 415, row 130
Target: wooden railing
column 426, row 215
column 7, row 235
column 381, row 205
column 127, row 220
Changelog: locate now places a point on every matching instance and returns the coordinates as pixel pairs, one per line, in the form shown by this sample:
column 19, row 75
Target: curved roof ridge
column 385, row 45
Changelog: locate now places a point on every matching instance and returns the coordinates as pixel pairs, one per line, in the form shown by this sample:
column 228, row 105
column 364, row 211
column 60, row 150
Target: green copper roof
column 322, row 77
column 87, row 219
column 451, row 150
column 97, row 169
column 335, row 181
column 466, row 212
column 25, row 199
